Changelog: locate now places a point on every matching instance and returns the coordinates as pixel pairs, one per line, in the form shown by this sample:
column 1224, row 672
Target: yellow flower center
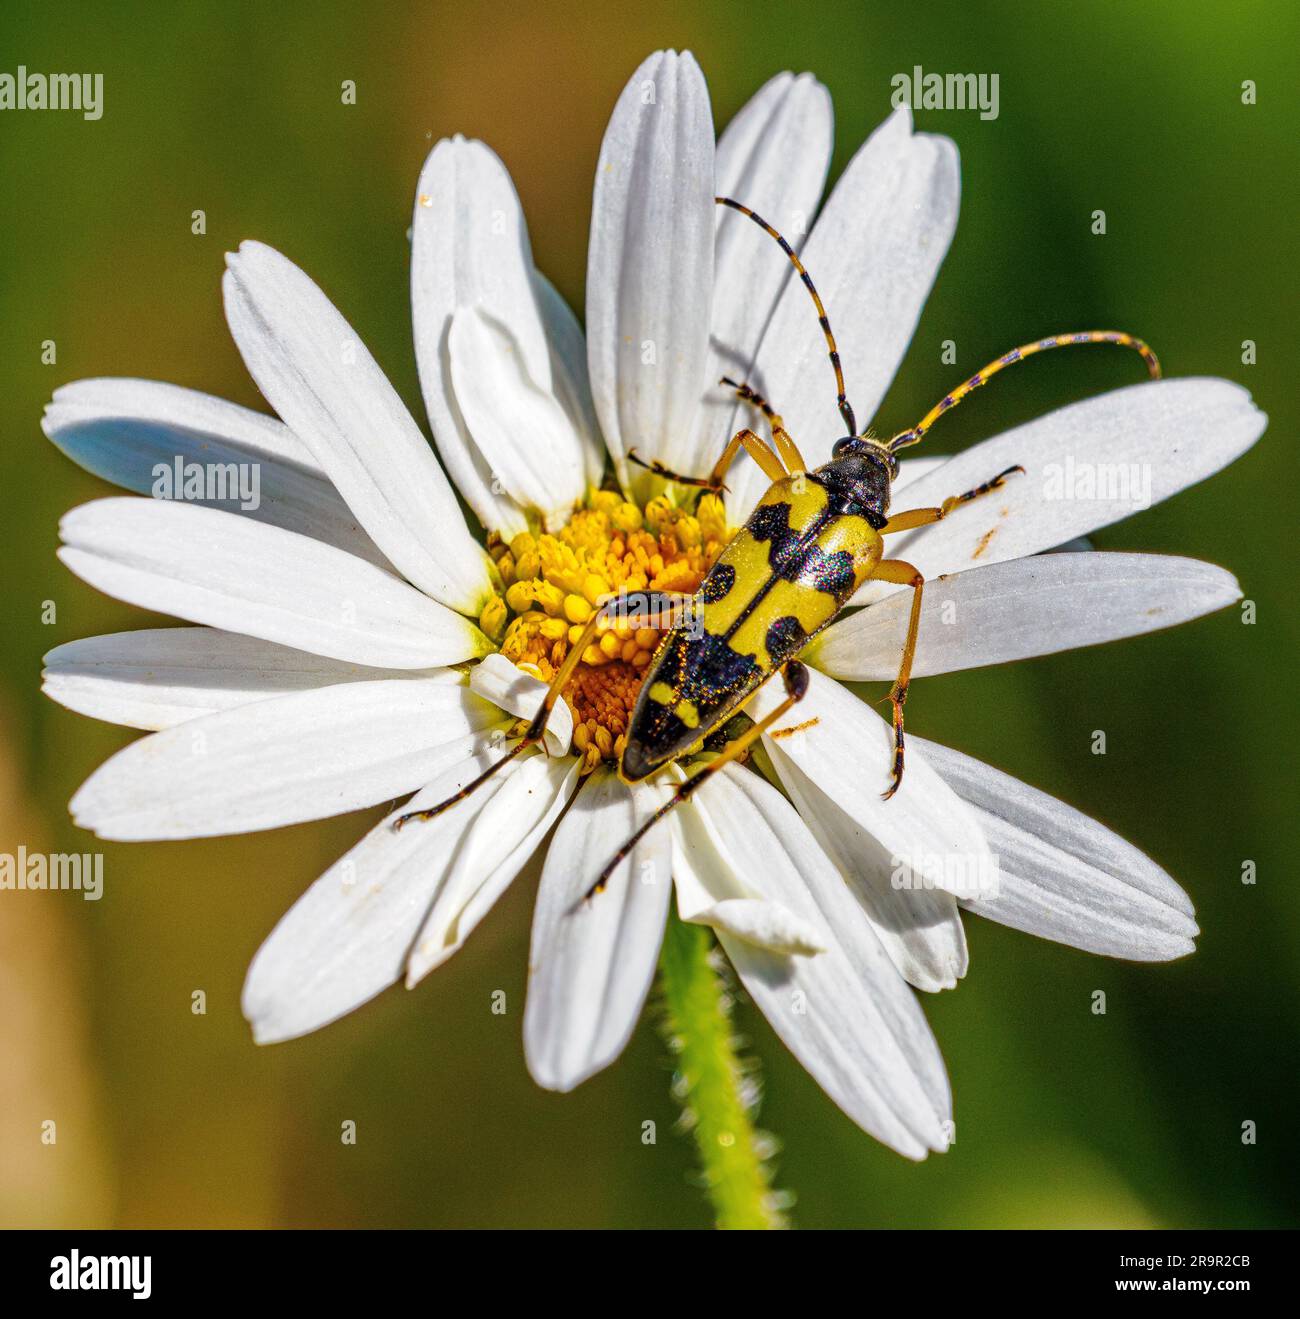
column 553, row 584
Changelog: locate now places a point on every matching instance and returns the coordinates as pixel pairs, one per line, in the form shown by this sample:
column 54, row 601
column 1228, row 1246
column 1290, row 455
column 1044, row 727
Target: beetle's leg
column 473, row 785
column 650, row 609
column 904, row 574
column 922, row 517
column 901, row 574
column 659, row 605
column 757, row 448
column 795, row 676
column 655, row 466
column 787, row 460
column 751, row 395
column 785, row 444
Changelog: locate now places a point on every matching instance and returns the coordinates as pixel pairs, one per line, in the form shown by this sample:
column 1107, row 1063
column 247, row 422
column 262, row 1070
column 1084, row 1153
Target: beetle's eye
column 840, row 445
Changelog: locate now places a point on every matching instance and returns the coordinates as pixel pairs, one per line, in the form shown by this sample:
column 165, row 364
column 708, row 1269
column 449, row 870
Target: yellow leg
column 661, row 608
column 922, row 517
column 786, row 460
column 795, row 676
column 757, row 448
column 785, row 444
column 901, row 574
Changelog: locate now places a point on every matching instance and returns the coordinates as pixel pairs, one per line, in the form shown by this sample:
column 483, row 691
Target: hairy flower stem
column 711, row 1084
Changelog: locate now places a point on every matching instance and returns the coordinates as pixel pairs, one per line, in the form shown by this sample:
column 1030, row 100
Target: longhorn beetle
column 814, row 538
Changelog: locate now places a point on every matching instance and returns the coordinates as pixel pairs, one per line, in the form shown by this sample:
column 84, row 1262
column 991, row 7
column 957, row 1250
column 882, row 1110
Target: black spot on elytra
column 771, row 523
column 832, row 573
column 785, row 637
column 701, row 669
column 718, row 583
column 796, row 557
column 705, row 666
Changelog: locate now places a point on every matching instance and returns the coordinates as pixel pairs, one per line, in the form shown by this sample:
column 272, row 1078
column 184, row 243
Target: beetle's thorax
column 858, row 480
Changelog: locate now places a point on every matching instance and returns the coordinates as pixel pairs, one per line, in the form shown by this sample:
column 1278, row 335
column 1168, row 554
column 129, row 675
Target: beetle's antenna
column 841, row 398
column 905, row 439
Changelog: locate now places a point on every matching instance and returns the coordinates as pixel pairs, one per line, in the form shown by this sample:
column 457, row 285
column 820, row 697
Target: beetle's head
column 868, row 451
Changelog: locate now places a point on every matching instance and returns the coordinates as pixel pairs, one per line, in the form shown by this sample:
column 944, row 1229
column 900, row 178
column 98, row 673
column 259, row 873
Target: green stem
column 715, row 1090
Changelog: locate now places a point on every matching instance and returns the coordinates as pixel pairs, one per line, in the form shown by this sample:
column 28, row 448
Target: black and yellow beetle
column 813, row 539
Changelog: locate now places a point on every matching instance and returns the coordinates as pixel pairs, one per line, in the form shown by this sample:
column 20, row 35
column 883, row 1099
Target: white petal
column 158, row 677
column 1066, row 877
column 773, row 157
column 846, row 749
column 509, row 829
column 170, row 407
column 1013, row 610
column 845, row 1013
column 920, row 927
column 873, row 254
column 591, row 964
column 469, row 247
column 126, row 430
column 503, row 683
column 523, row 434
column 718, row 896
column 912, row 469
column 1138, row 445
column 569, row 379
column 322, row 380
column 210, row 567
column 347, row 938
column 650, row 262
column 765, row 924
column 305, row 756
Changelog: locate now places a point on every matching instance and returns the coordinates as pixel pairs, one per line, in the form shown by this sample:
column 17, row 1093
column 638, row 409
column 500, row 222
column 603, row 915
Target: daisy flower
column 352, row 642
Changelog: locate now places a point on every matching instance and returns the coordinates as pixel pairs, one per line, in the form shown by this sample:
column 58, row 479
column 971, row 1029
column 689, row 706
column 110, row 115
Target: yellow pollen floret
column 493, row 618
column 554, row 582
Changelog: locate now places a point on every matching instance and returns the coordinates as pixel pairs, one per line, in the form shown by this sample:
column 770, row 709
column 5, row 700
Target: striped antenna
column 841, row 398
column 905, row 439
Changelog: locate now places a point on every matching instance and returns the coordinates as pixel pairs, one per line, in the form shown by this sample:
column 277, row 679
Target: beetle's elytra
column 812, row 540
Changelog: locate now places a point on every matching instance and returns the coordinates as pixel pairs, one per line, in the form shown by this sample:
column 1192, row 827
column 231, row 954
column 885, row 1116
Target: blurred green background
column 1064, row 1118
